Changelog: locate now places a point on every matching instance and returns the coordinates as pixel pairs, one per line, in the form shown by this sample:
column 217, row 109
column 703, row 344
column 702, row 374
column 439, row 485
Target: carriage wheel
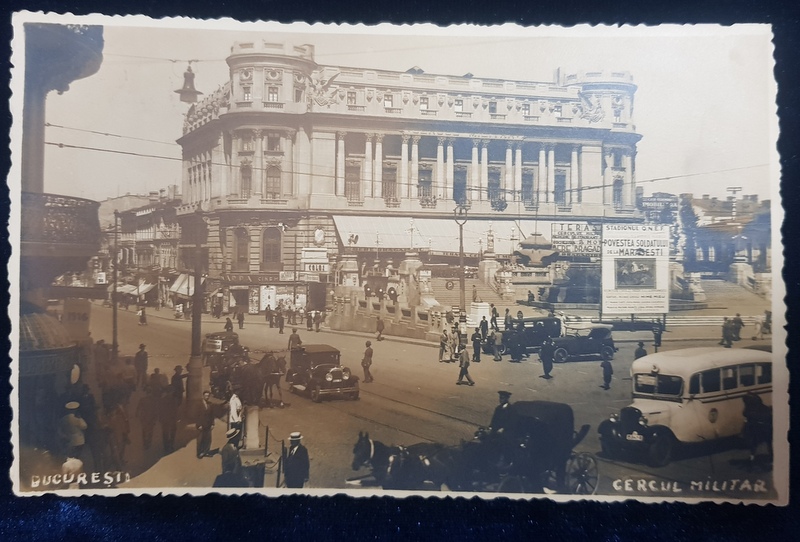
column 582, row 474
column 511, row 484
column 560, row 355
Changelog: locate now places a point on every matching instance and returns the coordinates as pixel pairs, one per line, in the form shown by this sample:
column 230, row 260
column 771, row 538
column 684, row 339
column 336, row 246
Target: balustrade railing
column 51, row 218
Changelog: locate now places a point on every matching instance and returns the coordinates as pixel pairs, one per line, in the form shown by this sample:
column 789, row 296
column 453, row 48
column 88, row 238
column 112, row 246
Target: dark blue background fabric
column 336, row 518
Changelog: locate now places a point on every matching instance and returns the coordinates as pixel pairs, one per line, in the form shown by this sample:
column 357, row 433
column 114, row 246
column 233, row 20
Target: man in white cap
column 295, row 464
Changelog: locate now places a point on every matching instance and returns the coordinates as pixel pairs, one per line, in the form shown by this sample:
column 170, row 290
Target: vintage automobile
column 531, row 332
column 216, row 345
column 316, row 369
column 690, row 395
column 597, row 342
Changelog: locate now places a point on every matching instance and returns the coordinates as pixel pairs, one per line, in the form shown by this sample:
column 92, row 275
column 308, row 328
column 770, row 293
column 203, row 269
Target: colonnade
column 522, row 161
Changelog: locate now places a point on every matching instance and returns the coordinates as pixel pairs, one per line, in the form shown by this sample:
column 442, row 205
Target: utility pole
column 114, row 328
column 461, row 219
column 194, row 384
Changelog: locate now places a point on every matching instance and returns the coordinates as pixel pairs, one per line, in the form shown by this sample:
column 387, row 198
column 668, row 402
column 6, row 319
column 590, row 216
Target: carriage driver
column 502, row 413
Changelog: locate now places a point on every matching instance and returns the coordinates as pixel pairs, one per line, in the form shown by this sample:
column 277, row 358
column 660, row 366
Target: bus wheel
column 660, row 451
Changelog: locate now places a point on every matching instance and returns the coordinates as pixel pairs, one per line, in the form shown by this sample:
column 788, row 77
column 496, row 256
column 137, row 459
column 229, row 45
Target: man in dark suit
column 205, row 422
column 296, row 464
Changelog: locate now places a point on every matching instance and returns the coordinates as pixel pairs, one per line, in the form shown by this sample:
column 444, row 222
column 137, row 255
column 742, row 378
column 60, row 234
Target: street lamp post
column 461, row 219
column 114, row 328
column 194, row 385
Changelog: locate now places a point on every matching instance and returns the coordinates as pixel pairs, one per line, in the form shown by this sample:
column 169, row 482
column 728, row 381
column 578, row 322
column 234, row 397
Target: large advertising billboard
column 635, row 265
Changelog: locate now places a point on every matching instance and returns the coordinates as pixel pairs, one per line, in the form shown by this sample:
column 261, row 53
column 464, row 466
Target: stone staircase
column 452, row 297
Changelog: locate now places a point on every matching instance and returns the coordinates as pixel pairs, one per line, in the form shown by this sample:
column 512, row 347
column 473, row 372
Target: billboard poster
column 576, row 239
column 635, row 266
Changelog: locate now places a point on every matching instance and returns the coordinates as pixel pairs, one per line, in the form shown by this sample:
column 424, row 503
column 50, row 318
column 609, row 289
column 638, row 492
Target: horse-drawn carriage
column 532, row 453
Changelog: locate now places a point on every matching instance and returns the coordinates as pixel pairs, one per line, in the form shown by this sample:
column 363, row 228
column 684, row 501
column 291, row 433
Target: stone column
column 518, row 171
column 628, row 196
column 340, row 157
column 574, row 178
column 258, row 164
column 404, row 182
column 288, row 176
column 302, row 186
column 377, row 186
column 508, row 183
column 484, row 168
column 608, row 177
column 367, row 172
column 450, row 190
column 441, row 187
column 415, row 166
column 541, row 189
column 551, row 173
column 475, row 173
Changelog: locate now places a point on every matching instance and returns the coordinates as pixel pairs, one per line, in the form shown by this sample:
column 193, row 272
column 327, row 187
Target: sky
column 705, row 104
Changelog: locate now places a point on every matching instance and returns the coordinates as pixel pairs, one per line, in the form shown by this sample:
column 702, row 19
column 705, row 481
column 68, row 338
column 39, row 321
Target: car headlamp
column 346, row 375
column 642, row 421
column 613, row 418
column 329, row 377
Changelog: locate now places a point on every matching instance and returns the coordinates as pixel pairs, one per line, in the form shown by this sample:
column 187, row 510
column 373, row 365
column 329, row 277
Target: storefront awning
column 437, row 235
column 144, row 288
column 184, row 285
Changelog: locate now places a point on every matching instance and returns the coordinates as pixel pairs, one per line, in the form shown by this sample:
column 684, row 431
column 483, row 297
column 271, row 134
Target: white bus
column 686, row 396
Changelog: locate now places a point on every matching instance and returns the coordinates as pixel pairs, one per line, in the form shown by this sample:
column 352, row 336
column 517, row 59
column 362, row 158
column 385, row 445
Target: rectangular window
column 273, row 142
column 493, row 108
column 423, row 103
column 730, row 379
column 247, row 143
column 458, row 106
column 747, row 375
column 272, row 94
column 298, row 94
column 711, row 381
column 388, row 100
column 526, row 110
column 351, row 98
column 764, row 373
column 246, row 93
column 557, row 111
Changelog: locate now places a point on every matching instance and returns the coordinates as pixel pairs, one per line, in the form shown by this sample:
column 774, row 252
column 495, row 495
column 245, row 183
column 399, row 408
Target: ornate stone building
column 289, row 155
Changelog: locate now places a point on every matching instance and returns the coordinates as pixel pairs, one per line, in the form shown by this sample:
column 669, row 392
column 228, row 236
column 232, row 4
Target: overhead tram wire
column 48, row 124
column 407, row 184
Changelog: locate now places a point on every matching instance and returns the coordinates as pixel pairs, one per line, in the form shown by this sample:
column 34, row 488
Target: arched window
column 241, row 250
column 617, row 195
column 247, row 180
column 271, row 250
column 272, row 189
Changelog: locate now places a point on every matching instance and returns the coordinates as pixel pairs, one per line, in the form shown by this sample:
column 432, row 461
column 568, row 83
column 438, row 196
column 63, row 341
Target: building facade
column 289, row 155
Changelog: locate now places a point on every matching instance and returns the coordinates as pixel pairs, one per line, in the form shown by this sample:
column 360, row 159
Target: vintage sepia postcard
column 531, row 262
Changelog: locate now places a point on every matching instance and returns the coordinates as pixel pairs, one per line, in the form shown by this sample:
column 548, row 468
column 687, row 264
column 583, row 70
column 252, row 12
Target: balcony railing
column 50, row 218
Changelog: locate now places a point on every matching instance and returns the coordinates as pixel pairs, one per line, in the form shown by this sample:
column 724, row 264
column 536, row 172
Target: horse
column 396, row 467
column 272, row 369
column 758, row 424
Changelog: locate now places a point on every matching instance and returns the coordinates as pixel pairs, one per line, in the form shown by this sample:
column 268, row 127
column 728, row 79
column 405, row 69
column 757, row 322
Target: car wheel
column 560, row 355
column 607, row 353
column 511, row 484
column 316, row 393
column 503, row 349
column 660, row 451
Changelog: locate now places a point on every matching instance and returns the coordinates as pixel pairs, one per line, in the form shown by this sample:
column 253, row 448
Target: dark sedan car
column 530, row 332
column 316, row 369
column 598, row 342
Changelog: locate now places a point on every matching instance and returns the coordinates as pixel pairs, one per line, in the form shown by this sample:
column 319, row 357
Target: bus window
column 747, row 375
column 729, row 378
column 694, row 384
column 669, row 385
column 711, row 380
column 764, row 373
